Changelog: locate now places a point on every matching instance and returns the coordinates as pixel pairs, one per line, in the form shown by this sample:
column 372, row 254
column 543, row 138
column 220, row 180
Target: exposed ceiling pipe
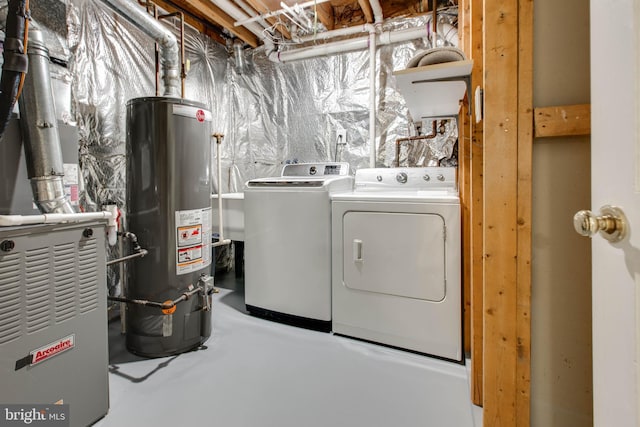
column 40, row 132
column 377, row 11
column 169, row 50
column 249, row 11
column 236, row 13
column 324, row 35
column 350, row 45
column 372, row 95
column 245, row 21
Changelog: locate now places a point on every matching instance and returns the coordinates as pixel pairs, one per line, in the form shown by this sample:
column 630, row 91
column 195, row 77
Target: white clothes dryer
column 396, row 270
column 288, row 243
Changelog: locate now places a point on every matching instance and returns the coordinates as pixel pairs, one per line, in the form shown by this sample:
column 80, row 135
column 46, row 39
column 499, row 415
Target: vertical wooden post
column 477, row 210
column 465, row 130
column 508, row 136
column 525, row 170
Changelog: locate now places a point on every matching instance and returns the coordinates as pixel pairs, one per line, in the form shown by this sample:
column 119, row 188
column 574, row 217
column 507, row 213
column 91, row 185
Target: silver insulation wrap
column 270, row 113
column 167, row 42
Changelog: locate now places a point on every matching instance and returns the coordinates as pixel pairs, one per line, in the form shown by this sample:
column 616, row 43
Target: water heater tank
column 169, row 209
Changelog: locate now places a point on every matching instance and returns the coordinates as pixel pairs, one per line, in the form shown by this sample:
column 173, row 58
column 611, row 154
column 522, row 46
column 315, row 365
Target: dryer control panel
column 316, row 169
column 414, row 179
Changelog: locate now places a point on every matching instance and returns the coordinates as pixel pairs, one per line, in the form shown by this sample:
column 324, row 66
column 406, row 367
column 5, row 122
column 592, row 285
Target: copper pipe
column 399, row 141
column 434, row 20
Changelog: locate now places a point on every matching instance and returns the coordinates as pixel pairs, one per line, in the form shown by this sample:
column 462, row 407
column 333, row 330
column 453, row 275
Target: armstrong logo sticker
column 43, row 353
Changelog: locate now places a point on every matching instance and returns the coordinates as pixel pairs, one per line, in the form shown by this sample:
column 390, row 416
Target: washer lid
column 329, row 183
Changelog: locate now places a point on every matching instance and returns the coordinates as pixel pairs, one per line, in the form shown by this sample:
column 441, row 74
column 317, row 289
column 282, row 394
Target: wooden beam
column 525, row 172
column 209, row 11
column 500, row 212
column 477, row 211
column 262, row 9
column 465, row 129
column 197, row 23
column 326, row 15
column 566, row 120
column 366, row 10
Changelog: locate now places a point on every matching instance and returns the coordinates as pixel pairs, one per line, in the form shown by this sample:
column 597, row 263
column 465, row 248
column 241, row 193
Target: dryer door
column 400, row 254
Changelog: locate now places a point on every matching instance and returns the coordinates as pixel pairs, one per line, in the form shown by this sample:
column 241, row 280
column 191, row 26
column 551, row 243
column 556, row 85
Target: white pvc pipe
column 15, row 220
column 249, row 11
column 359, row 43
column 377, row 11
column 244, row 22
column 347, row 31
column 372, row 96
column 232, row 10
column 221, row 240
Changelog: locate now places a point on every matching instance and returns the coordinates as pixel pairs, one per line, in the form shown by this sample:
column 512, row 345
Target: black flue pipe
column 15, row 59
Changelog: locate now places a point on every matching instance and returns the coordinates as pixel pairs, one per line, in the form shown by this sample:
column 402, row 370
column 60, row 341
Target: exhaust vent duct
column 169, row 51
column 40, row 132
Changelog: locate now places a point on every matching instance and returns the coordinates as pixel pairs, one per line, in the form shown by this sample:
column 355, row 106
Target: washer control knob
column 379, row 178
column 402, row 178
column 440, row 177
column 426, row 177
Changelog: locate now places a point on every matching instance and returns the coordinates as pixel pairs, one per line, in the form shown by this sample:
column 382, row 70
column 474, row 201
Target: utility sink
column 232, row 215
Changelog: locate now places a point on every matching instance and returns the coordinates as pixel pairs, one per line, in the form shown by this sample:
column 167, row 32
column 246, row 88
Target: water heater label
column 193, row 240
column 193, row 112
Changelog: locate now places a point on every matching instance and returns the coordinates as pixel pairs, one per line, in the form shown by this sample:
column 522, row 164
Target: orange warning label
column 189, row 235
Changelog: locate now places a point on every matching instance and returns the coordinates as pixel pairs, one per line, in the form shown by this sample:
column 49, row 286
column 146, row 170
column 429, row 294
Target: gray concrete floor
column 255, row 372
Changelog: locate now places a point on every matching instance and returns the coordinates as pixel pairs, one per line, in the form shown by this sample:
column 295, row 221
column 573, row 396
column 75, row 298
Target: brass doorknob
column 611, row 223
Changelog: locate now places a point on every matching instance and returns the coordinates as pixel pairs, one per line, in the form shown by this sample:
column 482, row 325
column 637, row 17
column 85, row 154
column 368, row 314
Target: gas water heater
column 169, row 209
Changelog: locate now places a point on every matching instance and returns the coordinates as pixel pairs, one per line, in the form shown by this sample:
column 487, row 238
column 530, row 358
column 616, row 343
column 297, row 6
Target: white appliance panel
column 288, row 252
column 431, row 327
column 404, row 256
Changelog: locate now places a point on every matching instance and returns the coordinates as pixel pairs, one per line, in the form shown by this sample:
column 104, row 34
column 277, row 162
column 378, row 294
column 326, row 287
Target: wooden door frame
column 496, row 171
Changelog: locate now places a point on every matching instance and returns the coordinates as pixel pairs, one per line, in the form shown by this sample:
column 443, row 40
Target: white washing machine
column 288, row 243
column 397, row 262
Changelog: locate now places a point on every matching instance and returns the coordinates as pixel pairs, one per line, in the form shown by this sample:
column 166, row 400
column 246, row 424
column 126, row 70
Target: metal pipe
column 414, row 138
column 140, row 254
column 183, row 65
column 167, row 305
column 162, row 35
column 39, row 127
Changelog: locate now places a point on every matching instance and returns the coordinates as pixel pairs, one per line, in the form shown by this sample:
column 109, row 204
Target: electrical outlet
column 341, row 136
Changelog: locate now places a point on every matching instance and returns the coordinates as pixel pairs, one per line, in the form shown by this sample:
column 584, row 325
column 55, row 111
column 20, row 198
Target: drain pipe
column 372, row 96
column 350, row 45
column 232, row 10
column 378, row 17
column 169, row 51
column 40, row 132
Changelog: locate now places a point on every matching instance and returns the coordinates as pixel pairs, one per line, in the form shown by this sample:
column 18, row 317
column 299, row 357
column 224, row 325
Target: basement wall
column 561, row 378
